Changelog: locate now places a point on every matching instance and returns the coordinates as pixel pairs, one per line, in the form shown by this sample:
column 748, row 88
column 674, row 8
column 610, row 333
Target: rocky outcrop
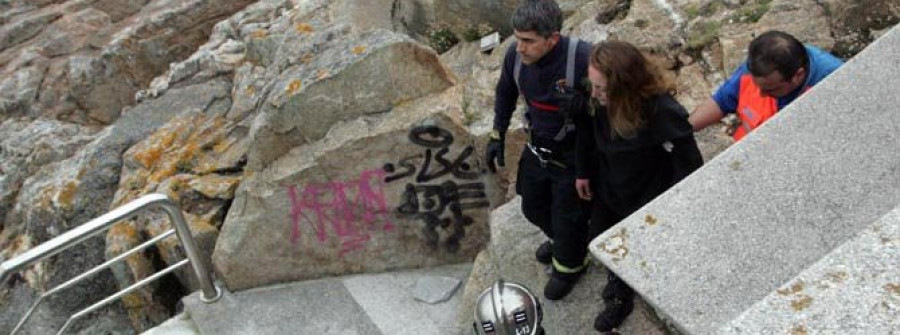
column 414, row 196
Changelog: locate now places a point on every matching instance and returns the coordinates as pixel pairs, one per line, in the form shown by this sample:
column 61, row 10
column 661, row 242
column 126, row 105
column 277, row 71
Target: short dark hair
column 776, row 51
column 541, row 16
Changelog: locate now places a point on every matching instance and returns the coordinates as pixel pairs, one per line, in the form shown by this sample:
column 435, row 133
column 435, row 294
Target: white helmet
column 507, row 309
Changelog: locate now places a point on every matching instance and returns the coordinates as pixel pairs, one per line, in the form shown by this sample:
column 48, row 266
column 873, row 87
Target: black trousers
column 549, row 201
column 603, row 218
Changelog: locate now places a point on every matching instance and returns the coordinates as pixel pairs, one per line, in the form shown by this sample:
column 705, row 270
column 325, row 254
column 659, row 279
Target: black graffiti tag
column 428, row 200
column 428, row 203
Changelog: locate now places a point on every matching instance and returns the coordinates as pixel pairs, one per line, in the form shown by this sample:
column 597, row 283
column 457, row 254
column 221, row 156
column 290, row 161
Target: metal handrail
column 211, row 292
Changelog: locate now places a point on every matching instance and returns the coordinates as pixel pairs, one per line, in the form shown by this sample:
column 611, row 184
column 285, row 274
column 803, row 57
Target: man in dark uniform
column 544, row 67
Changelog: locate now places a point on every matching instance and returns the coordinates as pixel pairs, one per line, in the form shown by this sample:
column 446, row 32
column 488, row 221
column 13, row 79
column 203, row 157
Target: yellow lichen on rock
column 801, row 303
column 304, row 28
column 259, row 33
column 293, row 87
column 65, row 195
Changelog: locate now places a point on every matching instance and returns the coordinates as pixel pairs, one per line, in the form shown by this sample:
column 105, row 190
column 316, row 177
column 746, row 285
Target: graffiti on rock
column 352, row 209
column 430, row 200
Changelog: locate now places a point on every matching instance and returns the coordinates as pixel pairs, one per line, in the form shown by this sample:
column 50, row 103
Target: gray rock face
column 28, row 145
column 319, row 83
column 413, row 196
column 69, row 192
column 83, row 61
column 856, row 23
column 784, row 197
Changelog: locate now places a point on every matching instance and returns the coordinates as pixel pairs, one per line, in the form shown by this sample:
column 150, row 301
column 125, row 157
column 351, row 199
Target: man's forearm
column 705, row 114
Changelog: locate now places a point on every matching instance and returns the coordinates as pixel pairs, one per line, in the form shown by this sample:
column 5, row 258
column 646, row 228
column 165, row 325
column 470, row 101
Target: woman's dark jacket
column 627, row 173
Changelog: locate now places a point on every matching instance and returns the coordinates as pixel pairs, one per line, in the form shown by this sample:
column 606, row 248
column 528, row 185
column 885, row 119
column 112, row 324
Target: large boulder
column 403, row 190
column 319, row 82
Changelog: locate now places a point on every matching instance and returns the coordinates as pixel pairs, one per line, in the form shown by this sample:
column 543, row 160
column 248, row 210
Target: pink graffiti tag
column 351, row 218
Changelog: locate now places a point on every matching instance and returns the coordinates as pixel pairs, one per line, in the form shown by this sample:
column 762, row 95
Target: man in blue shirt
column 778, row 70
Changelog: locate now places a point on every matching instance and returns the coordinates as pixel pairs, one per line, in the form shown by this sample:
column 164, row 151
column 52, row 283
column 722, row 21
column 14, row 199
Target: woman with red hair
column 634, row 143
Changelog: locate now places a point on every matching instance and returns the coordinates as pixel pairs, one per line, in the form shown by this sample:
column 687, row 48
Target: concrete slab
column 772, row 205
column 434, row 290
column 853, row 290
column 313, row 307
column 181, row 324
column 388, row 300
column 360, row 304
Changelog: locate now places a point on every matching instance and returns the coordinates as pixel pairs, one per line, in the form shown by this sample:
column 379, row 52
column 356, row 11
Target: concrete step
column 382, row 303
column 853, row 290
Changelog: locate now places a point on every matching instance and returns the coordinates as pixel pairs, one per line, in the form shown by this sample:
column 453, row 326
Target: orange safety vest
column 753, row 108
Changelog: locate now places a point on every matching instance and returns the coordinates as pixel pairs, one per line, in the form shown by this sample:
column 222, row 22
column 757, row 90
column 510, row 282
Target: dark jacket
column 628, row 173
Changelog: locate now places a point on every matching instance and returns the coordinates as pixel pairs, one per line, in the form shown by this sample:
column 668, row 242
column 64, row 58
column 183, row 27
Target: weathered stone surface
column 855, row 23
column 771, row 206
column 813, row 29
column 318, row 86
column 98, row 53
column 461, row 14
column 855, row 289
column 410, row 17
column 59, row 196
column 510, row 255
column 413, row 196
column 24, row 148
column 72, row 191
column 649, row 26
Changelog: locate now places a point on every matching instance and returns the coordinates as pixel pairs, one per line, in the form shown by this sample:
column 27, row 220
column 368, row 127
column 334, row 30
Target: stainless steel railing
column 211, row 292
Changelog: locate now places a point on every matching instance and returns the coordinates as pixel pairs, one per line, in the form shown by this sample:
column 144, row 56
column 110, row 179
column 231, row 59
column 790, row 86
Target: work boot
column 615, row 287
column 614, row 314
column 560, row 284
column 544, row 253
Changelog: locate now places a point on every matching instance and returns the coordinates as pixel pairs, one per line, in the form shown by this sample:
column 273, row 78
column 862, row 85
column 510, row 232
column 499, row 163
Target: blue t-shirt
column 821, row 64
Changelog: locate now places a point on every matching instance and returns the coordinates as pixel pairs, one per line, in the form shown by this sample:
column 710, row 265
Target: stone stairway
column 739, row 246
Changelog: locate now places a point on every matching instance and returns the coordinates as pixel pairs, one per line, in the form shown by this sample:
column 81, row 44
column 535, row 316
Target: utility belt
column 549, row 151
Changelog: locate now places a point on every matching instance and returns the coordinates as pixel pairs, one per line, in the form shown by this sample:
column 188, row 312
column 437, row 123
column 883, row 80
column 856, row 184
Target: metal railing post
column 211, row 292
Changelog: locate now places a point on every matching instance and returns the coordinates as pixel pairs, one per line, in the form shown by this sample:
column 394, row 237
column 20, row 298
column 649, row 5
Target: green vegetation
column 641, row 23
column 468, row 115
column 750, row 13
column 702, row 34
column 184, row 166
column 474, row 32
column 441, row 38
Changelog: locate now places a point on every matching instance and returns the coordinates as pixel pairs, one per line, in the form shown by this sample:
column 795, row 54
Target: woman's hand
column 583, row 186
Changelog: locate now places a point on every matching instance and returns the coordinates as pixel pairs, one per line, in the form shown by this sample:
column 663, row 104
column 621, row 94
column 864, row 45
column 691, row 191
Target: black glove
column 494, row 151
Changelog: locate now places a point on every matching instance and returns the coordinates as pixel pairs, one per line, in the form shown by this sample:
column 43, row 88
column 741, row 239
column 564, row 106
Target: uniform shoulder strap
column 570, row 62
column 568, row 123
column 517, row 69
